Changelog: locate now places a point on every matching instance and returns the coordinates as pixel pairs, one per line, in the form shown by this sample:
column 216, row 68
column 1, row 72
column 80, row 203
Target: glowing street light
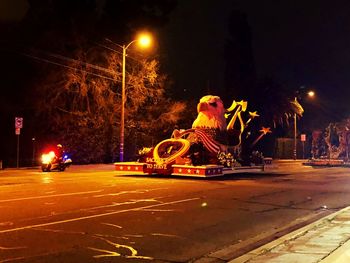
column 310, row 94
column 144, row 40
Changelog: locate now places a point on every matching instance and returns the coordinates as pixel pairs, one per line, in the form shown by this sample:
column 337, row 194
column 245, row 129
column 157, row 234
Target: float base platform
column 204, row 171
column 325, row 162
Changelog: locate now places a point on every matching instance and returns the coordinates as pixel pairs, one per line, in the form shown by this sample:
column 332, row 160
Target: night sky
column 298, row 43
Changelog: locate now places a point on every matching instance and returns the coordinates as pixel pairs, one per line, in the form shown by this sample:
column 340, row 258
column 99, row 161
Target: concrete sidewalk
column 326, row 240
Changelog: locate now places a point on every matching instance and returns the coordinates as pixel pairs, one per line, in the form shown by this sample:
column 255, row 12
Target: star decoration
column 253, row 114
column 265, row 130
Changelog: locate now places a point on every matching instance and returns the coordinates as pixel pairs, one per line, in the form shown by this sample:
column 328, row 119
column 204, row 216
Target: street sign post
column 18, row 127
column 303, row 139
column 19, row 122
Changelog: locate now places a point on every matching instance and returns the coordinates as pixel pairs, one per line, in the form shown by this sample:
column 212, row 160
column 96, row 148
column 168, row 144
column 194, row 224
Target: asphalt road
column 92, row 214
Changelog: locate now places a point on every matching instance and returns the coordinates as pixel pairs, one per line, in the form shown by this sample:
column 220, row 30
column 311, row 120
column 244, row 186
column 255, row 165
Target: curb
column 340, row 255
column 333, row 256
column 235, row 250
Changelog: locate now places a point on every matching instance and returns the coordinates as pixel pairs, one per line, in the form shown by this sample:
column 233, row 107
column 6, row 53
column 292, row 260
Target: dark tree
column 45, row 47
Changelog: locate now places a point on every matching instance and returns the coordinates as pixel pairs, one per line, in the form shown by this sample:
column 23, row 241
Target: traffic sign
column 303, row 137
column 18, row 131
column 18, row 122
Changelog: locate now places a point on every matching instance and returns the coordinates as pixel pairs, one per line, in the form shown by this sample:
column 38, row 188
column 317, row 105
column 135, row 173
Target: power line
column 121, row 53
column 69, row 67
column 82, row 63
column 78, row 62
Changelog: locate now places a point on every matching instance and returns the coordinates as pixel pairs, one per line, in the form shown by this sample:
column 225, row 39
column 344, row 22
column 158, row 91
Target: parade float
column 212, row 147
column 331, row 147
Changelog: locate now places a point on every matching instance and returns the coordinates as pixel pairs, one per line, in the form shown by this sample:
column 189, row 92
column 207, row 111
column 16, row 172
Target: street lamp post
column 121, row 148
column 295, row 133
column 33, row 159
column 144, row 41
column 309, row 94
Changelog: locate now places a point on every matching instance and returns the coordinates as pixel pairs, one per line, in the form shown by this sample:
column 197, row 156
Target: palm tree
column 275, row 103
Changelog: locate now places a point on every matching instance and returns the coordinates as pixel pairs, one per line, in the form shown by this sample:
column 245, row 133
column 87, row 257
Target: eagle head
column 211, row 113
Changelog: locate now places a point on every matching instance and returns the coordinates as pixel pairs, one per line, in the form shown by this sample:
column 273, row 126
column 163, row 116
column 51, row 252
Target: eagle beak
column 202, row 106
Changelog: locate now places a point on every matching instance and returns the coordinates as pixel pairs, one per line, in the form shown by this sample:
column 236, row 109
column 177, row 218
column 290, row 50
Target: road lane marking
column 11, row 248
column 139, row 191
column 109, row 253
column 96, row 216
column 131, row 235
column 165, row 235
column 60, row 231
column 93, row 209
column 7, row 223
column 12, row 259
column 113, row 225
column 48, row 196
column 159, row 210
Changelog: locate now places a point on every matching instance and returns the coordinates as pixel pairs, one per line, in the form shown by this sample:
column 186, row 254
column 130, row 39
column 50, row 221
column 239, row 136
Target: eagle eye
column 213, row 104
